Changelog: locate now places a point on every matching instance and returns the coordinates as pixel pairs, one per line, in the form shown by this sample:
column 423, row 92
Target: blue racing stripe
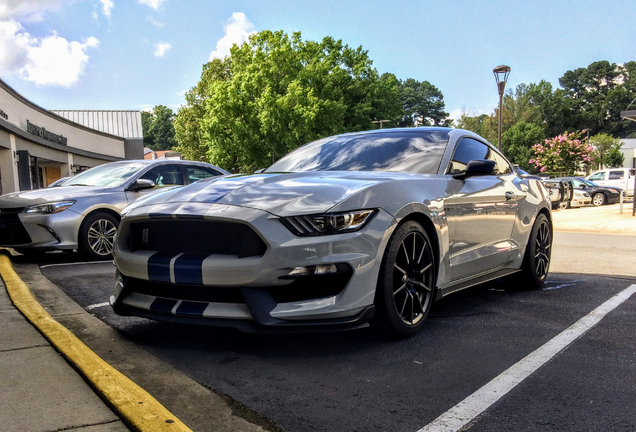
column 191, row 308
column 159, row 266
column 187, row 269
column 163, row 305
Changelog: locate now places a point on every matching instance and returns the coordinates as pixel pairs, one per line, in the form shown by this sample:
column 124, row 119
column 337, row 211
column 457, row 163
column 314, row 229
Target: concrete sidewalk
column 599, row 220
column 40, row 390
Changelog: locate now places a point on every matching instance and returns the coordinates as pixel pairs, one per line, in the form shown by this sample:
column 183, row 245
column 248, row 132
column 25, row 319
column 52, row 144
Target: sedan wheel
column 598, row 199
column 97, row 235
column 406, row 285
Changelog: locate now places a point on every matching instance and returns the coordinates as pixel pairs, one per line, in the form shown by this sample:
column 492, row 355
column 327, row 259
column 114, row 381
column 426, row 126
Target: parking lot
column 358, row 381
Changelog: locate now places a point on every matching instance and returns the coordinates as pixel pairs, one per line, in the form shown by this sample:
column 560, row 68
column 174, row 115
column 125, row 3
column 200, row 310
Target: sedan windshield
column 108, row 175
column 400, row 151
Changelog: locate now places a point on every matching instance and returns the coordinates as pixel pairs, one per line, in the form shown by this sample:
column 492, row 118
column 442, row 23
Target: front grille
column 186, row 292
column 12, row 231
column 311, row 287
column 196, row 237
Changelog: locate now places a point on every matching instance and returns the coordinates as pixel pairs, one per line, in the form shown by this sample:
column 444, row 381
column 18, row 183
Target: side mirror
column 258, row 171
column 478, row 168
column 142, row 184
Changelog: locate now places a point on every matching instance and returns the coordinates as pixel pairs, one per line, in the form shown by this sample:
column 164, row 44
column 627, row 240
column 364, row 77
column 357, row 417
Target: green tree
column 422, row 103
column 562, row 155
column 281, row 92
column 147, row 119
column 606, row 151
column 189, row 134
column 517, row 142
column 158, row 129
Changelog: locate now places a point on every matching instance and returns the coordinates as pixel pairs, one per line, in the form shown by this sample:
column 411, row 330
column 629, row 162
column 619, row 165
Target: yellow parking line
column 132, row 403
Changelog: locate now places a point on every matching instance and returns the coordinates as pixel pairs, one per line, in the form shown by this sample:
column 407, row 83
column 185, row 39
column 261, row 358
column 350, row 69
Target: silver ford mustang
column 359, row 228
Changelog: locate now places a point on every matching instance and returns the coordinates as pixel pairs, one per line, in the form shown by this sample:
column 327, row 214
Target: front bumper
column 39, row 231
column 267, row 297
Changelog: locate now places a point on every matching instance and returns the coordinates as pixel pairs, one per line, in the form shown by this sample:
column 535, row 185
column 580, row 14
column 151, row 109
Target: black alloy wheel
column 406, row 286
column 536, row 261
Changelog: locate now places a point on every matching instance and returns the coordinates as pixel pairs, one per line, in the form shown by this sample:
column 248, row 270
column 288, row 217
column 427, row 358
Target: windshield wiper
column 77, row 184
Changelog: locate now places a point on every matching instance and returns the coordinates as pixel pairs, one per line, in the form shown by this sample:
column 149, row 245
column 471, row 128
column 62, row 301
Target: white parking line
column 76, row 263
column 98, row 305
column 467, row 410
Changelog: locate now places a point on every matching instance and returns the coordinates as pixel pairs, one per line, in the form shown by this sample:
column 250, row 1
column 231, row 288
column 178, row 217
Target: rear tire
column 96, row 235
column 406, row 284
column 536, row 261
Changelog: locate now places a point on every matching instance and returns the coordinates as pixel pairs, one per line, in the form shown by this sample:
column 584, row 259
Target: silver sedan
column 84, row 212
column 351, row 229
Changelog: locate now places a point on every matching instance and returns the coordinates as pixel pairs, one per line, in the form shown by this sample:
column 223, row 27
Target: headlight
column 330, row 223
column 49, row 208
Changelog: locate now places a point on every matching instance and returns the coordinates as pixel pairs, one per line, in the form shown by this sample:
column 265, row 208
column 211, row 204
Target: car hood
column 47, row 195
column 282, row 194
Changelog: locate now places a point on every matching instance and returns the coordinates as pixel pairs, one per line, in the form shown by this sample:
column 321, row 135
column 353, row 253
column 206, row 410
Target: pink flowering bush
column 561, row 155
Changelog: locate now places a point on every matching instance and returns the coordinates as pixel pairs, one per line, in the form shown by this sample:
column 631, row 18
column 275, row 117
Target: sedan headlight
column 330, row 223
column 49, row 208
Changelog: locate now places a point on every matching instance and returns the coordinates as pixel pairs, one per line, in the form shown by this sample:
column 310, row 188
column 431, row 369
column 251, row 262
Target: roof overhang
column 629, row 115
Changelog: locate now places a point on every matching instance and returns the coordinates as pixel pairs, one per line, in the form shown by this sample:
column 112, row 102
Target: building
column 161, row 154
column 38, row 146
column 629, row 152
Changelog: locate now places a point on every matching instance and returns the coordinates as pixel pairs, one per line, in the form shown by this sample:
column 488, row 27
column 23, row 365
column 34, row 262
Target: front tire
column 96, row 235
column 536, row 261
column 598, row 199
column 406, row 284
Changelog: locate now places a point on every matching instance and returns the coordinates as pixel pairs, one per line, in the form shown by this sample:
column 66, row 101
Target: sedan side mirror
column 142, row 184
column 478, row 168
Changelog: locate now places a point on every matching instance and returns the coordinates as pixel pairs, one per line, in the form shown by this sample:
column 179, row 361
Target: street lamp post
column 501, row 75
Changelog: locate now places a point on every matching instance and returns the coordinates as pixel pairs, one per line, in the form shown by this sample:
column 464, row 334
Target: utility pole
column 380, row 121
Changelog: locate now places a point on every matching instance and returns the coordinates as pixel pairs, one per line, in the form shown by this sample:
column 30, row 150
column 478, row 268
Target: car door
column 482, row 212
column 162, row 175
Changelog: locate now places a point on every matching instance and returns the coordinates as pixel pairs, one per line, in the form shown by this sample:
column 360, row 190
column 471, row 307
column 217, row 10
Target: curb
column 138, row 409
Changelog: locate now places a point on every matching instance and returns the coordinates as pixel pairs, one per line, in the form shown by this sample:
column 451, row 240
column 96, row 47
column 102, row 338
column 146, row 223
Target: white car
column 622, row 178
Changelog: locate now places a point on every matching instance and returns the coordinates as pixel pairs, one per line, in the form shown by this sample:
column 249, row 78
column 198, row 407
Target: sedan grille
column 201, row 237
column 12, row 231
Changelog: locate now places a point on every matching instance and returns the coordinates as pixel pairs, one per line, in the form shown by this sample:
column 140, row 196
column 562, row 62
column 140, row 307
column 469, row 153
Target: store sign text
column 43, row 133
column 4, row 115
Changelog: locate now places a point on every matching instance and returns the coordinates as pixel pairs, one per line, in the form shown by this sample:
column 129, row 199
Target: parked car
column 622, row 178
column 600, row 195
column 84, row 212
column 561, row 193
column 351, row 228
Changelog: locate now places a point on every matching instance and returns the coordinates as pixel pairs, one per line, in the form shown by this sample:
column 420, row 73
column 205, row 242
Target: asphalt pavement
column 43, row 392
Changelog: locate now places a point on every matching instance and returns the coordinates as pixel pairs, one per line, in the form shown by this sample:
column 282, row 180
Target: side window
column 598, row 176
column 196, row 173
column 469, row 149
column 165, row 175
column 616, row 175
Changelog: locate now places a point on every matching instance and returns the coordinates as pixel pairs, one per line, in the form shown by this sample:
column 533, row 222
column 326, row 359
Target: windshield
column 108, row 175
column 400, row 151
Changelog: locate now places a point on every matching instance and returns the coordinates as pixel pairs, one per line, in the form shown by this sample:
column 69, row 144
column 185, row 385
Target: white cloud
column 107, row 7
column 52, row 60
column 161, row 49
column 154, row 4
column 237, row 31
column 154, row 22
column 29, row 10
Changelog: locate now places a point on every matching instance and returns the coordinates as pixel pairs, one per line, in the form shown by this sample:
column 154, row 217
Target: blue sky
column 134, row 54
